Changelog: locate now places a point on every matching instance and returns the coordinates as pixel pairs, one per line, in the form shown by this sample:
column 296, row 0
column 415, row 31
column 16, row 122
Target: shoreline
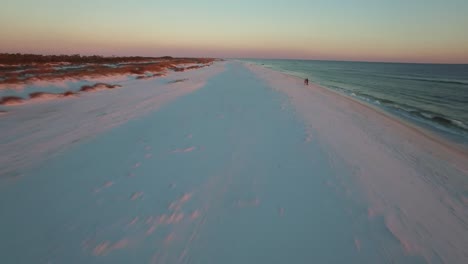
column 391, row 91
column 415, row 182
column 450, row 145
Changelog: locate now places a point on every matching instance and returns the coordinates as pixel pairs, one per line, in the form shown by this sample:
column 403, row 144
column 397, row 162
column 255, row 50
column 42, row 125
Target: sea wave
column 432, row 80
column 442, row 120
column 410, row 78
column 421, row 114
column 433, row 118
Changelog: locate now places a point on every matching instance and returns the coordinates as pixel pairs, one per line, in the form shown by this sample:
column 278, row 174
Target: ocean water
column 431, row 95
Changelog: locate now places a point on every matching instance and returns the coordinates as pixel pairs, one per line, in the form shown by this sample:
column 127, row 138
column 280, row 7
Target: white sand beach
column 231, row 163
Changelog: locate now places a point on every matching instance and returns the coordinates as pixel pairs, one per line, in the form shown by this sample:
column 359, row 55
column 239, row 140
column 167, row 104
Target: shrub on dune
column 137, row 71
column 195, row 67
column 69, row 93
column 37, row 95
column 176, row 69
column 42, row 95
column 98, row 86
column 11, row 100
column 87, row 88
column 105, row 85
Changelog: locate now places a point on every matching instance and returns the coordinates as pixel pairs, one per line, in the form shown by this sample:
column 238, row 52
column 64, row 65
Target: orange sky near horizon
column 393, row 31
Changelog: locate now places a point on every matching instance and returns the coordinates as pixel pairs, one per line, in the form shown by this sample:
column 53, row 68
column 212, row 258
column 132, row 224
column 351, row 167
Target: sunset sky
column 365, row 30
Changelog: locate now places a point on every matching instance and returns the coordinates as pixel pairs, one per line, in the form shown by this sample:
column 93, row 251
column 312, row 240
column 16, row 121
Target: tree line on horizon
column 19, row 58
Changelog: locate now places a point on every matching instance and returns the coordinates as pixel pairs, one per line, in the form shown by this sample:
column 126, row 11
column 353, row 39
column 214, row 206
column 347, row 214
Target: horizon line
column 241, row 58
column 362, row 61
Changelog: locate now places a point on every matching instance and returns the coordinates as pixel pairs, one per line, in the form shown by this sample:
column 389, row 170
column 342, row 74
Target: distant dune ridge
column 18, row 70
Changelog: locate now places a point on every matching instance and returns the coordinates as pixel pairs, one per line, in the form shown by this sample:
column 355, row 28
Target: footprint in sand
column 187, row 150
column 136, row 196
column 283, row 106
column 134, row 221
column 107, row 247
column 357, row 244
column 308, row 137
column 105, row 186
column 195, row 215
column 148, row 154
column 281, row 211
column 247, row 203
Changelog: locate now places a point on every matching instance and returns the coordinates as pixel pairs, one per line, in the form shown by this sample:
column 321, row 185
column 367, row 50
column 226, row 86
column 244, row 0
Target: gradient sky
column 366, row 30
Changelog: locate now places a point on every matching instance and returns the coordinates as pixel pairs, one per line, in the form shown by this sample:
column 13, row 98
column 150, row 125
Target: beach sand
column 231, row 163
column 413, row 179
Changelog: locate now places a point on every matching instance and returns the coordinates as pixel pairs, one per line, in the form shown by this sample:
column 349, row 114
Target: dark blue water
column 431, row 95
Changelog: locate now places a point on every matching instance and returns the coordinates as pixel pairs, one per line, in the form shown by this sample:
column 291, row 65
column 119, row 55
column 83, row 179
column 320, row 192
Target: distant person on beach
column 306, row 81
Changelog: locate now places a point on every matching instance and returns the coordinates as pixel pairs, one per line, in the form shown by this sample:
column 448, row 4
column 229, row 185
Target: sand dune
column 89, row 67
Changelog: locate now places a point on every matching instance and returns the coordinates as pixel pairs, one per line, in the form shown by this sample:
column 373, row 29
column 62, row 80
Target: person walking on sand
column 306, row 81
